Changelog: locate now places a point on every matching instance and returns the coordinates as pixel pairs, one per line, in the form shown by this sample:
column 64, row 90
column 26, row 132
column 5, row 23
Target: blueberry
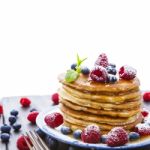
column 12, row 119
column 5, row 137
column 16, row 127
column 52, row 143
column 5, row 129
column 112, row 79
column 14, row 112
column 65, row 130
column 40, row 132
column 133, row 136
column 103, row 138
column 33, row 109
column 73, row 66
column 112, row 65
column 111, row 70
column 77, row 134
column 85, row 71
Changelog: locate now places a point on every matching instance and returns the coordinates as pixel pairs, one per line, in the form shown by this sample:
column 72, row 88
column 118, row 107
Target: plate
column 56, row 134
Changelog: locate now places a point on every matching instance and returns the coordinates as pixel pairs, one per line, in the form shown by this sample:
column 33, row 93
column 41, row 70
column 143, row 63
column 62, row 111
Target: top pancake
column 84, row 84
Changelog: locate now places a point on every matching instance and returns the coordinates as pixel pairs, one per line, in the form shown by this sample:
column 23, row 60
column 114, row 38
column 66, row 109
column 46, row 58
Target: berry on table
column 133, row 136
column 12, row 120
column 85, row 71
column 32, row 116
column 14, row 112
column 16, row 127
column 5, row 128
column 54, row 120
column 112, row 79
column 117, row 137
column 55, row 98
column 1, row 109
column 21, row 143
column 5, row 137
column 33, row 109
column 102, row 60
column 99, row 74
column 25, row 102
column 77, row 134
column 65, row 130
column 145, row 112
column 91, row 134
column 104, row 138
column 127, row 72
column 146, row 96
column 73, row 66
column 143, row 129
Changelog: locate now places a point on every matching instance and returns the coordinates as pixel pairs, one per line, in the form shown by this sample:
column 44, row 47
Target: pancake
column 103, row 98
column 83, row 83
column 97, row 105
column 121, row 113
column 97, row 118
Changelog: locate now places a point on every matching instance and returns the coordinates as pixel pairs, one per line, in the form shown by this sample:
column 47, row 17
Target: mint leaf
column 71, row 75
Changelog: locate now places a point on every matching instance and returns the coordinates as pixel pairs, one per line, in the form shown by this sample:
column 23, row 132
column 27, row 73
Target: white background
column 40, row 39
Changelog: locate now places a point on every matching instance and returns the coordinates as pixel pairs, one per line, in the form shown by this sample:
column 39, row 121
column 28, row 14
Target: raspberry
column 91, row 134
column 117, row 137
column 1, row 109
column 32, row 116
column 146, row 96
column 102, row 60
column 54, row 120
column 21, row 143
column 145, row 112
column 127, row 72
column 25, row 102
column 55, row 98
column 99, row 74
column 143, row 129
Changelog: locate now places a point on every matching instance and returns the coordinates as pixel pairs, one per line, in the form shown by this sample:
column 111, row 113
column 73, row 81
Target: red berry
column 25, row 102
column 127, row 72
column 54, row 120
column 1, row 109
column 143, row 129
column 102, row 60
column 91, row 134
column 145, row 112
column 99, row 74
column 21, row 143
column 32, row 116
column 55, row 98
column 146, row 96
column 117, row 137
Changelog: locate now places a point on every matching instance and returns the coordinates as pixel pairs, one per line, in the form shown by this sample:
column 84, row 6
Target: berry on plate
column 102, row 60
column 133, row 136
column 54, row 119
column 1, row 109
column 5, row 128
column 91, row 134
column 85, row 70
column 12, row 120
column 65, row 130
column 117, row 137
column 77, row 134
column 127, row 72
column 5, row 137
column 25, row 102
column 21, row 143
column 146, row 96
column 16, row 127
column 14, row 112
column 99, row 74
column 32, row 116
column 55, row 98
column 143, row 129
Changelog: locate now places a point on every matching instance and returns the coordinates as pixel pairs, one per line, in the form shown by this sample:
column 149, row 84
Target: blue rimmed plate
column 56, row 134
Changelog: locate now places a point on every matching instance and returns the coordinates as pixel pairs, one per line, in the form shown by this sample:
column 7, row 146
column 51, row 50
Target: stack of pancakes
column 84, row 102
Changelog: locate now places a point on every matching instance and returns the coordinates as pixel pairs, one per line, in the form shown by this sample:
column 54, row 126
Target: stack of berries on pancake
column 103, row 96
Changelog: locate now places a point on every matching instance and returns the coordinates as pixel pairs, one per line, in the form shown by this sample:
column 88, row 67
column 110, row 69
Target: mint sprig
column 71, row 74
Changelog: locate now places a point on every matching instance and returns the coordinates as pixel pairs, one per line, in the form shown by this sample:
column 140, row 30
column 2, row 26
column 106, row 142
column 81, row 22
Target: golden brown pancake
column 83, row 83
column 113, row 113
